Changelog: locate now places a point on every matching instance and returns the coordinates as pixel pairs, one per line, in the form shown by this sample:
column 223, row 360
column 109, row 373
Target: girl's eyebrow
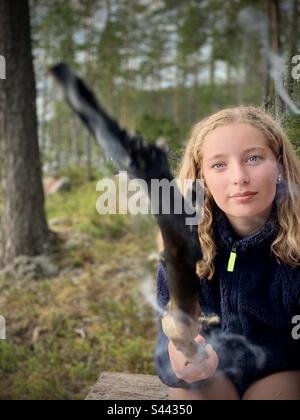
column 245, row 151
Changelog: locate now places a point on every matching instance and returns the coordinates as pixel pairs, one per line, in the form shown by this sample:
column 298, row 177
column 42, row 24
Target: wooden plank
column 127, row 386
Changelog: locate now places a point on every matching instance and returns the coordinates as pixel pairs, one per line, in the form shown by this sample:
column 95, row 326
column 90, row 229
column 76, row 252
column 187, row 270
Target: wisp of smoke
column 231, row 348
column 255, row 22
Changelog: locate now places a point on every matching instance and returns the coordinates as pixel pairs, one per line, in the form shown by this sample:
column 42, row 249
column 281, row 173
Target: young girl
column 249, row 274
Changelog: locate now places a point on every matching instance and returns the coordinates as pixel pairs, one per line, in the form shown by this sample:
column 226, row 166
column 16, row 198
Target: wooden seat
column 127, row 386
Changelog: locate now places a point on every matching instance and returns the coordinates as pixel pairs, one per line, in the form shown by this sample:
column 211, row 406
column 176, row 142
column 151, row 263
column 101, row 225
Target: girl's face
column 238, row 169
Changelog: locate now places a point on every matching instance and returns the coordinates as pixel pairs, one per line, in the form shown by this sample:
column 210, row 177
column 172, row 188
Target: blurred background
column 70, row 280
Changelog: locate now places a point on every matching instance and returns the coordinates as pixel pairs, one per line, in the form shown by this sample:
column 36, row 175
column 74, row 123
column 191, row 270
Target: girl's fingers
column 213, row 357
column 200, row 339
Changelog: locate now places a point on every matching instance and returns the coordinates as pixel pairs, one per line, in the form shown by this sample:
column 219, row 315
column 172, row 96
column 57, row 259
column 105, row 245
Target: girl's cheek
column 217, row 187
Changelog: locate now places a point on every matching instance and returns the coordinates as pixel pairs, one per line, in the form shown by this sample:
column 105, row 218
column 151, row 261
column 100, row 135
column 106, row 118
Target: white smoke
column 146, row 289
column 277, row 72
column 254, row 22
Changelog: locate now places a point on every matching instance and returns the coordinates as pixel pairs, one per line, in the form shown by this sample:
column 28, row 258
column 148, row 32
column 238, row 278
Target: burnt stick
column 148, row 161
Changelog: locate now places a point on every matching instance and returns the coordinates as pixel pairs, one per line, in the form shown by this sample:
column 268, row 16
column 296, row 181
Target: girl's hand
column 193, row 372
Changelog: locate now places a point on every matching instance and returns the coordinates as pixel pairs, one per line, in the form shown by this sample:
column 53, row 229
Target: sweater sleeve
column 162, row 360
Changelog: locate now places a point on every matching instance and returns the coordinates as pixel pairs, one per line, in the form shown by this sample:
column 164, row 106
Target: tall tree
column 293, row 45
column 274, row 23
column 24, row 226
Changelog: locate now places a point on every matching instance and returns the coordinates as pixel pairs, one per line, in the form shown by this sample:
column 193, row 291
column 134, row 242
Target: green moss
column 63, row 332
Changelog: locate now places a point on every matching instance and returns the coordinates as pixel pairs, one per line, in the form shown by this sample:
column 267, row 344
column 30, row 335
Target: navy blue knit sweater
column 256, row 303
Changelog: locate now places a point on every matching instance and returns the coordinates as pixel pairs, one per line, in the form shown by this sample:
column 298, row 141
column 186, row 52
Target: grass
column 63, row 332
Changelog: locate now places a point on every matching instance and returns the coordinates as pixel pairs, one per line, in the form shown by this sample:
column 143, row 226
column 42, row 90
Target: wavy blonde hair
column 286, row 246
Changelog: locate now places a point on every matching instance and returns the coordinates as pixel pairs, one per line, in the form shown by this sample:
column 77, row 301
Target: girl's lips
column 245, row 198
column 243, row 194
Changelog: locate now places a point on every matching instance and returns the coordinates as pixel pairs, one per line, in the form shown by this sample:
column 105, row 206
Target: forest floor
column 63, row 332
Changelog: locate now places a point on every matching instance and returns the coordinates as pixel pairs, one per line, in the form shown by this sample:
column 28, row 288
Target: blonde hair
column 286, row 246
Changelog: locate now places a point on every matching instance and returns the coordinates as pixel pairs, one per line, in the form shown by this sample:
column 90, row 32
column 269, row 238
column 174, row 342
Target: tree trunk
column 274, row 19
column 24, row 226
column 267, row 88
column 74, row 135
column 293, row 38
column 89, row 172
column 177, row 98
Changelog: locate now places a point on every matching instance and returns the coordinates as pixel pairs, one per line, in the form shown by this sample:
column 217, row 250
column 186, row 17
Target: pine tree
column 24, row 226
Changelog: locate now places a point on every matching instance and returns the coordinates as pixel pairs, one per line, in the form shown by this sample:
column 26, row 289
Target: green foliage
column 153, row 128
column 193, row 30
column 292, row 129
column 189, row 59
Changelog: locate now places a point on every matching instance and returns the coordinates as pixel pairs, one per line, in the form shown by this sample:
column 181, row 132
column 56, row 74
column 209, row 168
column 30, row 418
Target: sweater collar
column 229, row 237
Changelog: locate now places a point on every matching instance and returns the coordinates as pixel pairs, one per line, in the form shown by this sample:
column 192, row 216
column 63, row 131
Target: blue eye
column 250, row 157
column 217, row 165
column 259, row 157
